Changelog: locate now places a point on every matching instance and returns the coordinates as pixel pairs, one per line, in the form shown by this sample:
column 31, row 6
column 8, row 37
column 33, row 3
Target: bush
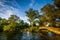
column 33, row 29
column 8, row 28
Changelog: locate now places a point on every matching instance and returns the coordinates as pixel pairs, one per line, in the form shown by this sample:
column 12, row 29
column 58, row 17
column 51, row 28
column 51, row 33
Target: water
column 28, row 36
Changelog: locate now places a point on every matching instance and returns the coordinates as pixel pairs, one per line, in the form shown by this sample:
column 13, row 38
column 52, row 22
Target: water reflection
column 28, row 36
column 3, row 36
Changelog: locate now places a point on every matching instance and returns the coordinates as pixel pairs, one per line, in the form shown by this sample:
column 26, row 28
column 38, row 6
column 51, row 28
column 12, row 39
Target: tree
column 26, row 25
column 49, row 15
column 23, row 24
column 57, row 3
column 10, row 27
column 3, row 22
column 12, row 23
column 32, row 15
column 13, row 18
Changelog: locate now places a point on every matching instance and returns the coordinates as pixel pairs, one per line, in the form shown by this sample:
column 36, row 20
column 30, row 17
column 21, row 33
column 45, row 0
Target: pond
column 28, row 36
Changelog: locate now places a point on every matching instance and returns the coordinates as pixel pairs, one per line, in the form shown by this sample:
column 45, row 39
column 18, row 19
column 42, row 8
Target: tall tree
column 57, row 3
column 32, row 15
column 49, row 15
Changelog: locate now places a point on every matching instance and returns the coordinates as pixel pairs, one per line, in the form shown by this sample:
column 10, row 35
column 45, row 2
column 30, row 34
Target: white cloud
column 6, row 11
column 1, row 4
column 6, row 14
column 32, row 3
column 25, row 19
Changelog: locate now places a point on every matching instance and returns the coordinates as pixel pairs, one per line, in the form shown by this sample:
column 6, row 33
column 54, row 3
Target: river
column 28, row 36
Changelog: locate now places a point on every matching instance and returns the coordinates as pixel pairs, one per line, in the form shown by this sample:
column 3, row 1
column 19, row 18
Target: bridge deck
column 52, row 29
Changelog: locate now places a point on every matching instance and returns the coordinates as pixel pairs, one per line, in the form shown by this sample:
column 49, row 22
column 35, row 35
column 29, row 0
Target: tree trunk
column 31, row 24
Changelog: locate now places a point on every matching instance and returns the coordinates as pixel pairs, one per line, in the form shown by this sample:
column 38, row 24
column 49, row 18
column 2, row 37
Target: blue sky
column 18, row 7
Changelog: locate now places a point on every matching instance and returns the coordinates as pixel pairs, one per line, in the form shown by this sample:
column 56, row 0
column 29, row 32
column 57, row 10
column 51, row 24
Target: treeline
column 13, row 23
column 50, row 17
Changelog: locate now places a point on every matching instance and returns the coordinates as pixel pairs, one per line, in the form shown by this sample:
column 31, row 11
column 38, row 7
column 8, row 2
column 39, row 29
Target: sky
column 18, row 7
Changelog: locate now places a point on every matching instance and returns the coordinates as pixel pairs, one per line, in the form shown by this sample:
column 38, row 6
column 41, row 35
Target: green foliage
column 32, row 15
column 12, row 24
column 33, row 29
column 13, row 18
column 23, row 24
column 3, row 22
column 57, row 3
column 10, row 27
column 7, row 28
column 51, row 13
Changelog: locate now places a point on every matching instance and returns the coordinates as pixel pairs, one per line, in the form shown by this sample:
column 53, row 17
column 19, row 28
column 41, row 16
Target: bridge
column 52, row 29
